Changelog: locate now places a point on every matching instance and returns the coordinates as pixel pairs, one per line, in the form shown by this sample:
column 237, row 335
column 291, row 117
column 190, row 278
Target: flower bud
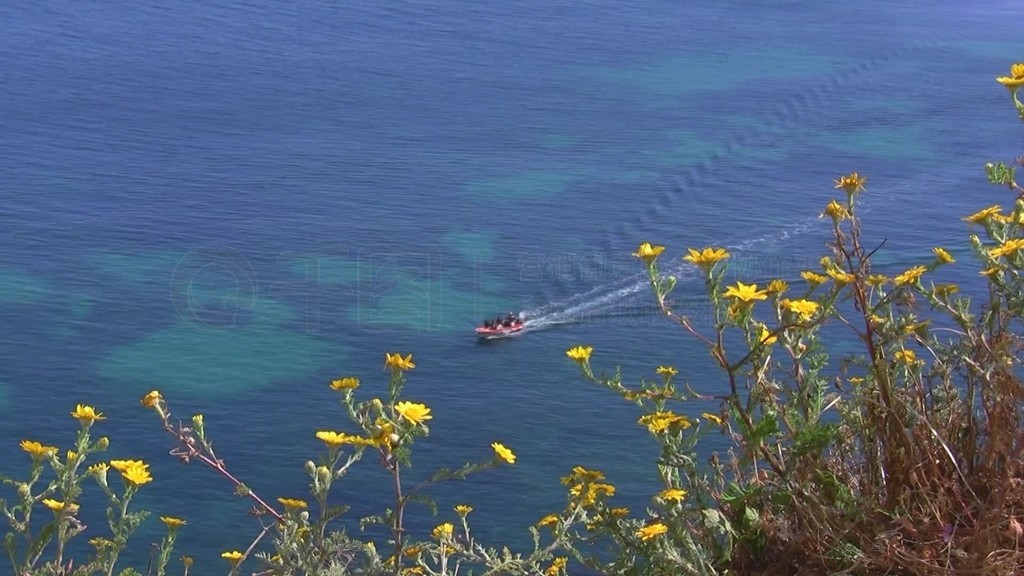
column 377, row 404
column 310, row 467
column 323, row 475
column 23, row 490
column 304, row 516
column 393, row 438
column 103, row 443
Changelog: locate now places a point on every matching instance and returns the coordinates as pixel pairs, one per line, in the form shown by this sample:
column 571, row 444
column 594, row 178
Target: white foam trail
column 591, row 303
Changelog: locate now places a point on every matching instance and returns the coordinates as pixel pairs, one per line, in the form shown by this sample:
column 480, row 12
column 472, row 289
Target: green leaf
column 424, row 500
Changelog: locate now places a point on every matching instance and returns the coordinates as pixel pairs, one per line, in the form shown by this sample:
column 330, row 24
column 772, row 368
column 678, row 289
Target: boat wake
column 754, row 260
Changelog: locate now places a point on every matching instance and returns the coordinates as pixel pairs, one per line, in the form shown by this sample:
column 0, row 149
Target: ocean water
column 236, row 202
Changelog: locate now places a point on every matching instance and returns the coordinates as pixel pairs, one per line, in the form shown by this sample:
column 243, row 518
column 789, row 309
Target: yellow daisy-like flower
column 580, row 353
column 503, row 453
column 137, row 475
column 396, row 362
column 658, row 422
column 946, row 289
column 943, row 256
column 852, row 183
column 443, row 531
column 331, row 438
column 836, row 211
column 37, row 450
column 463, row 509
column 840, row 276
column 412, row 412
column 804, row 309
column 777, row 287
column 412, row 551
column 707, row 257
column 981, row 216
column 1011, row 83
column 1017, row 70
column 1008, row 248
column 150, row 400
column 98, row 468
column 413, row 571
column 347, row 383
column 813, row 278
column 672, row 495
column 910, row 276
column 293, row 503
column 906, row 356
column 877, row 280
column 647, row 252
column 666, row 371
column 556, row 567
column 549, row 520
column 745, row 292
column 713, row 418
column 55, row 505
column 581, row 474
column 234, row 556
column 619, row 512
column 87, row 414
column 122, row 465
column 651, row 531
column 588, row 492
column 173, row 522
column 765, row 336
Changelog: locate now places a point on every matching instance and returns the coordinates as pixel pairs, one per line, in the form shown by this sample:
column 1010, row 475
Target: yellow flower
column 906, row 356
column 122, row 465
column 990, row 271
column 173, row 522
column 579, row 353
column 1010, row 247
column 658, row 422
column 980, row 216
column 503, row 453
column 666, row 371
column 549, row 520
column 412, row 571
column 396, row 362
column 100, row 543
column 187, row 561
column 910, row 276
column 581, row 474
column 712, row 418
column 651, row 531
column 293, row 503
column 589, row 492
column 745, row 292
column 877, row 280
column 55, row 505
column 840, row 276
column 707, row 257
column 943, row 256
column 347, row 383
column 1011, row 83
column 87, row 414
column 98, row 468
column 777, row 287
column 805, row 309
column 382, row 434
column 414, row 413
column 137, row 474
column 233, row 556
column 463, row 509
column 836, row 211
column 852, row 183
column 648, row 253
column 813, row 278
column 443, row 531
column 1017, row 70
column 150, row 400
column 619, row 512
column 412, row 551
column 556, row 567
column 946, row 289
column 332, row 439
column 37, row 450
column 765, row 336
column 672, row 495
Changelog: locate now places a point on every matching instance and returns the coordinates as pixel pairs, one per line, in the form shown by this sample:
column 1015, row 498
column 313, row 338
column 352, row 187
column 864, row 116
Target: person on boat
column 487, row 324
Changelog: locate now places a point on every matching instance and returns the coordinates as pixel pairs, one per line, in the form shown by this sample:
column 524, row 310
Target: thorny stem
column 397, row 527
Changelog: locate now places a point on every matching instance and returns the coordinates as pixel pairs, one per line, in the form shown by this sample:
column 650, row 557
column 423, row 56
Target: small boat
column 496, row 330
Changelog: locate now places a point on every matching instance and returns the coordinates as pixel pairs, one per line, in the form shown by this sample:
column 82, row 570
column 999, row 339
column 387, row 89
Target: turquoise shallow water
column 237, row 203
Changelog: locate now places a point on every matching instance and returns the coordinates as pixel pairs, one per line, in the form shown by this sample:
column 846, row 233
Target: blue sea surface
column 237, row 202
